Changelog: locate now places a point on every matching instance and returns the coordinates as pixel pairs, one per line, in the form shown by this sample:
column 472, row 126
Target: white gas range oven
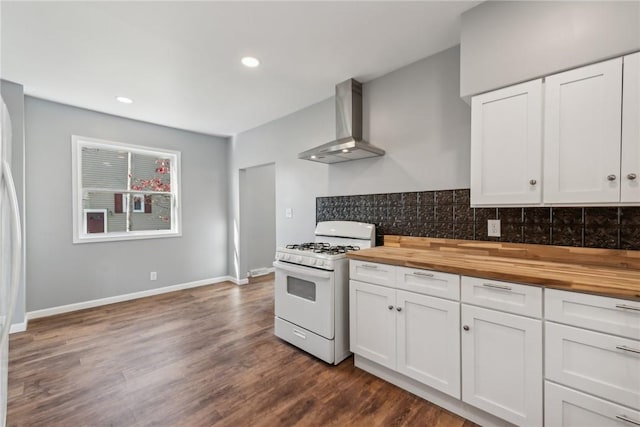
column 312, row 289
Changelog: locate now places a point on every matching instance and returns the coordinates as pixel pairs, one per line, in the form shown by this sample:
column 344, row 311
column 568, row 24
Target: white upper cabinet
column 578, row 146
column 582, row 134
column 506, row 145
column 630, row 170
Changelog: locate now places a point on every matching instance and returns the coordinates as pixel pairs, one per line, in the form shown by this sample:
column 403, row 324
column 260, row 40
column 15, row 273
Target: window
column 123, row 191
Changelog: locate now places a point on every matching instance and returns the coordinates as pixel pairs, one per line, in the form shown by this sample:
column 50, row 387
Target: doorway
column 257, row 219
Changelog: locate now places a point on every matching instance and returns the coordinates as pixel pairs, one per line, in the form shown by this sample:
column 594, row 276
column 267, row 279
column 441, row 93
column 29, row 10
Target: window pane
column 124, row 191
column 150, row 212
column 150, row 173
column 104, row 168
column 116, row 218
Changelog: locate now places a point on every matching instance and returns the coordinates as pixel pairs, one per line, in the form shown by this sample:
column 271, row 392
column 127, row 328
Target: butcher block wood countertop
column 609, row 272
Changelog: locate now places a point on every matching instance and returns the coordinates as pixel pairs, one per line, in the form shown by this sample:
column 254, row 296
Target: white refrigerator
column 10, row 252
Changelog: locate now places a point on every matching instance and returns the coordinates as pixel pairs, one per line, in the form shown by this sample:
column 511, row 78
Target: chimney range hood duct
column 349, row 144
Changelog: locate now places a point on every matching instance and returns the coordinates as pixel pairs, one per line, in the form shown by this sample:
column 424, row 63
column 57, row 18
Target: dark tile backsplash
column 447, row 214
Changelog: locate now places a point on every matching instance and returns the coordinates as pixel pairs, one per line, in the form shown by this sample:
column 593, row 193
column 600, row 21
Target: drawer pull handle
column 371, row 266
column 390, row 307
column 399, row 308
column 420, row 273
column 627, row 419
column 299, row 334
column 629, row 349
column 491, row 285
column 627, row 307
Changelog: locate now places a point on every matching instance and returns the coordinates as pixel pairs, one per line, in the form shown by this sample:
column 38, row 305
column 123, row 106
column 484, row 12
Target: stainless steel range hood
column 349, row 144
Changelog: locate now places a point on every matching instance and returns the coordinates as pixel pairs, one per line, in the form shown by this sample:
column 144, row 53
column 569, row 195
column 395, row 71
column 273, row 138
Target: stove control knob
column 297, row 259
column 312, row 261
column 320, row 262
column 286, row 257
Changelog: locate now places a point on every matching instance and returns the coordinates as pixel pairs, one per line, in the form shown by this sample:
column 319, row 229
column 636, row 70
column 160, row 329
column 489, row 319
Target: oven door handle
column 308, row 271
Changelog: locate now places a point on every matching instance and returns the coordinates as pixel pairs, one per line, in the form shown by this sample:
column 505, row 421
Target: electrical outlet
column 153, row 275
column 493, row 228
column 288, row 213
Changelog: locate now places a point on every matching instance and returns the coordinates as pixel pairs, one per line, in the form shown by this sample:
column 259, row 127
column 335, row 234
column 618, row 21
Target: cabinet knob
column 611, row 177
column 399, row 308
column 533, row 182
column 465, row 327
column 631, row 176
column 390, row 307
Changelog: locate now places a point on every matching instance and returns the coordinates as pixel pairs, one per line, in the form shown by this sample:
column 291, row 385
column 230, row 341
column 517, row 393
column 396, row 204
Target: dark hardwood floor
column 199, row 357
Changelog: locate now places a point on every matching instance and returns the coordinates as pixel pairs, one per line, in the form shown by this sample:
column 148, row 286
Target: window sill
column 133, row 235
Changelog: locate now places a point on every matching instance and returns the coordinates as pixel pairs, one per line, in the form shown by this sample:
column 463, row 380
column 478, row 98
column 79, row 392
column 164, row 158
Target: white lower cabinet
column 604, row 365
column 565, row 407
column 416, row 335
column 372, row 323
column 428, row 341
column 481, row 343
column 502, row 364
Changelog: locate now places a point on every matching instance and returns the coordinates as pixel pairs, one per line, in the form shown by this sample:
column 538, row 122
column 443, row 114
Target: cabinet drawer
column 428, row 282
column 604, row 365
column 505, row 296
column 604, row 314
column 564, row 407
column 371, row 272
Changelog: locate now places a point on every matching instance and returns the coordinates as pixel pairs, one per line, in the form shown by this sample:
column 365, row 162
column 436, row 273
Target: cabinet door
column 564, row 407
column 502, row 364
column 372, row 321
column 428, row 331
column 506, row 145
column 630, row 172
column 582, row 134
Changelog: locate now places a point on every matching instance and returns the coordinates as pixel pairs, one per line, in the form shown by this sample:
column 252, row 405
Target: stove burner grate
column 324, row 248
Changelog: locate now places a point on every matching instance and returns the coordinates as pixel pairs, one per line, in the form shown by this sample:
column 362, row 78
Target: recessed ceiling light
column 250, row 61
column 345, row 150
column 124, row 99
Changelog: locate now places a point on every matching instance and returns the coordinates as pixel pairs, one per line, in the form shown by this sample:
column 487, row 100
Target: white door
column 564, row 407
column 582, row 134
column 502, row 364
column 372, row 321
column 428, row 333
column 304, row 296
column 630, row 172
column 506, row 145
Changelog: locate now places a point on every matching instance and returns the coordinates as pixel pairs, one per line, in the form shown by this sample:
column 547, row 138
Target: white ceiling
column 180, row 61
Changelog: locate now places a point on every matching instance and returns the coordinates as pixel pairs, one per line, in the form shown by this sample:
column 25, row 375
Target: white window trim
column 79, row 233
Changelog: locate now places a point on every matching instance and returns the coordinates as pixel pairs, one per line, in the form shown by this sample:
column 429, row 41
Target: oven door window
column 301, row 288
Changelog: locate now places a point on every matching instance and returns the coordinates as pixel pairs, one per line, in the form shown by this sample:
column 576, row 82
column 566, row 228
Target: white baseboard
column 257, row 272
column 18, row 327
column 126, row 297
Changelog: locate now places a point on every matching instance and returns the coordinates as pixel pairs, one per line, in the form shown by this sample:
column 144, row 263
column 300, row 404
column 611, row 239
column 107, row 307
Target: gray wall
column 298, row 182
column 60, row 272
column 258, row 215
column 13, row 95
column 414, row 113
column 508, row 42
